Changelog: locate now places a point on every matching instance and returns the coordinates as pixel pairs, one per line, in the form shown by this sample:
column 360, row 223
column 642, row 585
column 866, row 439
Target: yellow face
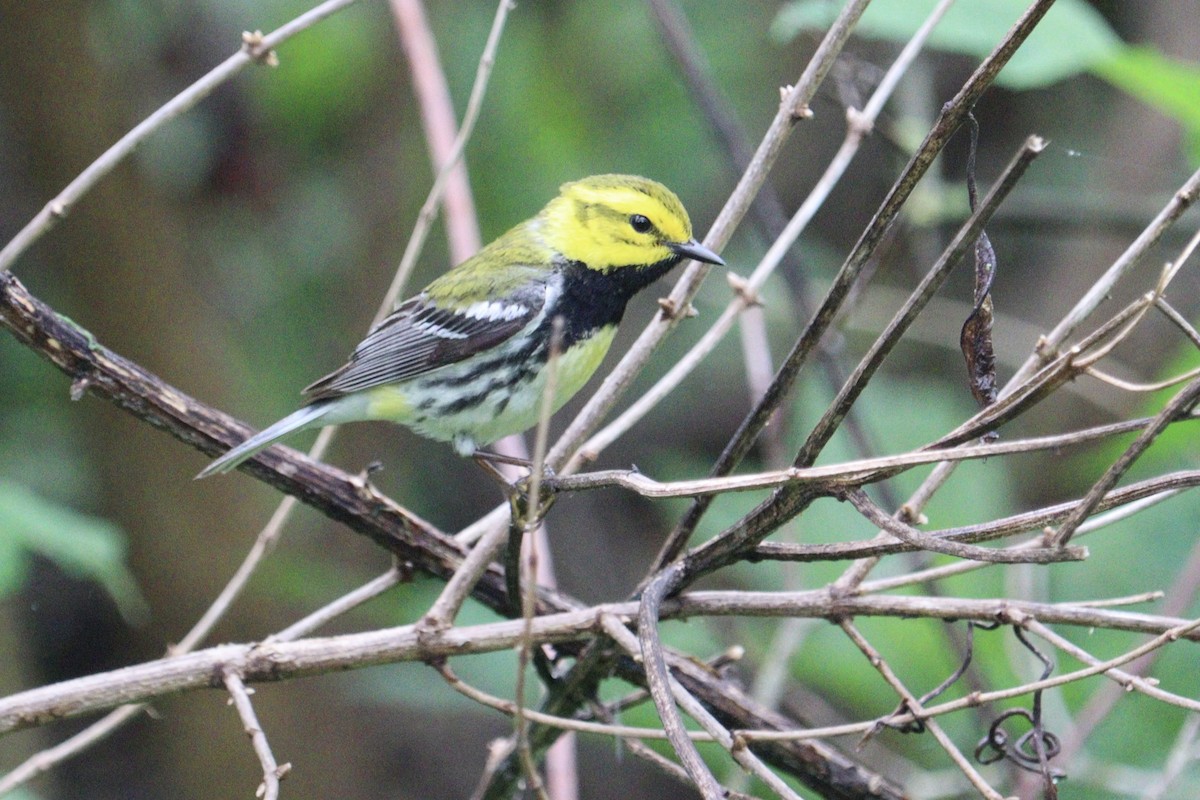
column 610, row 221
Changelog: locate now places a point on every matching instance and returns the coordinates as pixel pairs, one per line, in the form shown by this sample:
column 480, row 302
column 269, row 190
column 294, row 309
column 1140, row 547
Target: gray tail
column 297, row 420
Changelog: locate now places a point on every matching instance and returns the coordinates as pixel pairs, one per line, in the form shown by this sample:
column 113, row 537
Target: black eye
column 640, row 223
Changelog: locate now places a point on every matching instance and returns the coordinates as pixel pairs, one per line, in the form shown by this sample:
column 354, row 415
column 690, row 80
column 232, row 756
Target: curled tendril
column 917, row 725
column 1030, row 751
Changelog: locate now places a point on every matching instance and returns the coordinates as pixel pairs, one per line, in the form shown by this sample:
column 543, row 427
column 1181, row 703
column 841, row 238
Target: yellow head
column 610, row 221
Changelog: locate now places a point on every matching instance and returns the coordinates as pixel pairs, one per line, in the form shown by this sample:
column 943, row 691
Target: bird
column 465, row 360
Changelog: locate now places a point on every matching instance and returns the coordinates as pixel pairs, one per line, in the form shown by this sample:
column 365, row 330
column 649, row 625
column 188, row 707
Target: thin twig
column 272, row 771
column 462, row 583
column 910, row 701
column 441, row 129
column 923, row 541
column 1100, row 290
column 1130, row 386
column 45, row 760
column 1178, row 319
column 1127, row 600
column 1180, row 404
column 658, row 679
column 264, row 542
column 255, row 49
column 1171, row 269
column 1127, row 681
column 347, row 602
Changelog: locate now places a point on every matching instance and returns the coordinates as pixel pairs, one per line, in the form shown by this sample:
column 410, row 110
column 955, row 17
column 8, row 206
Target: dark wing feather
column 419, row 337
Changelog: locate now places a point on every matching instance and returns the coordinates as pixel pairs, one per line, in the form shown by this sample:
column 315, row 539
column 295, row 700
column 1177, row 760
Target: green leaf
column 1171, row 86
column 974, row 29
column 13, row 563
column 85, row 546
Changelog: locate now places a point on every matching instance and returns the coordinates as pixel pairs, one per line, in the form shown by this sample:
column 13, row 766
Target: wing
column 419, row 337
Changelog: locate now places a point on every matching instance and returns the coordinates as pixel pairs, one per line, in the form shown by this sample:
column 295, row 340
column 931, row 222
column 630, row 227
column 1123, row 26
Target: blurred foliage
column 81, row 545
column 1169, row 85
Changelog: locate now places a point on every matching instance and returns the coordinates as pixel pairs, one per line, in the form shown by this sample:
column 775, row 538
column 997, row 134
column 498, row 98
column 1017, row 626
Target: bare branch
column 51, row 757
column 935, row 544
column 1098, row 522
column 272, row 772
column 1127, row 681
column 1178, row 319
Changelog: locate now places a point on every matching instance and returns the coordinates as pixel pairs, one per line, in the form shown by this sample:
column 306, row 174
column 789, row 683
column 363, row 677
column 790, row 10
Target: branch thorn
column 79, row 386
column 743, row 289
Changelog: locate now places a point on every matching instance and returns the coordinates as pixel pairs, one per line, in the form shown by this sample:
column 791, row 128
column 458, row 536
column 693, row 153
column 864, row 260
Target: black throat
column 592, row 299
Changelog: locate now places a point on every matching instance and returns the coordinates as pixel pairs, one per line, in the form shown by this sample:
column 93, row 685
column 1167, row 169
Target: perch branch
column 284, row 660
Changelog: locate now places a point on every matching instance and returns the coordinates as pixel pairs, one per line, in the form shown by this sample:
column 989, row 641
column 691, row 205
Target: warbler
column 465, row 360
